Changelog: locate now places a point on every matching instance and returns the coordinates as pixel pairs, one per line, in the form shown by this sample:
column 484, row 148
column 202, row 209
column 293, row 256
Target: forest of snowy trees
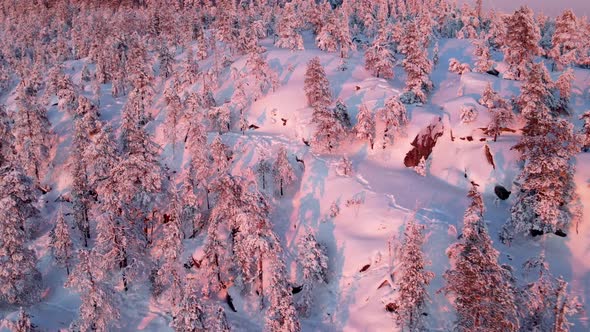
column 127, row 221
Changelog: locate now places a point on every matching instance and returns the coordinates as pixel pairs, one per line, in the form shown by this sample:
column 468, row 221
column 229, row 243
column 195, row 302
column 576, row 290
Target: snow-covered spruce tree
column 416, row 65
column 543, row 202
column 566, row 40
column 173, row 117
column 395, row 119
column 341, row 112
column 191, row 69
column 501, row 117
column 483, row 295
column 489, row 97
column 470, row 22
column 32, row 136
column 287, row 29
column 563, row 86
column 411, row 279
column 365, row 125
column 169, row 271
column 265, row 78
column 281, row 314
column 98, row 311
column 482, row 52
column 547, row 302
column 6, row 138
column 220, row 155
column 521, row 43
column 379, row 59
column 264, row 170
column 61, row 243
column 166, row 59
column 329, row 129
column 20, row 281
column 313, row 259
column 102, row 156
column 282, row 171
column 316, row 85
column 585, row 130
column 327, row 38
column 190, row 316
column 23, row 324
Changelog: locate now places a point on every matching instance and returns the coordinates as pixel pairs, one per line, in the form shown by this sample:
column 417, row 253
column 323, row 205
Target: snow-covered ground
column 386, row 191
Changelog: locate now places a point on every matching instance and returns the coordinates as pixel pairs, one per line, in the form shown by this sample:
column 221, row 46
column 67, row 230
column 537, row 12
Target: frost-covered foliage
column 547, row 145
column 20, row 281
column 395, row 119
column 329, row 128
column 365, row 125
column 316, row 85
column 586, row 130
column 566, row 40
column 457, row 67
column 313, row 259
column 468, row 114
column 521, row 42
column 482, row 292
column 287, row 29
column 61, row 243
column 482, row 52
column 281, row 314
column 411, row 279
column 344, row 167
column 547, row 302
column 98, row 311
column 379, row 59
column 416, row 64
column 282, row 171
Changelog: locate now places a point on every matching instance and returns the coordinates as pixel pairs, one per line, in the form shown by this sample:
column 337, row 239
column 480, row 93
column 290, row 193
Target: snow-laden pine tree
column 470, row 22
column 481, row 289
column 379, row 59
column 313, row 259
column 166, row 59
column 327, row 38
column 416, row 65
column 168, row 274
column 281, row 314
column 585, row 130
column 566, row 40
column 341, row 112
column 174, row 112
column 220, row 154
column 189, row 314
column 329, row 130
column 191, row 69
column 546, row 301
column 365, row 125
column 282, row 171
column 20, row 281
column 23, row 324
column 32, row 136
column 547, row 145
column 316, row 85
column 489, row 97
column 395, row 119
column 61, row 242
column 501, row 117
column 264, row 169
column 521, row 42
column 482, row 52
column 102, row 156
column 563, row 86
column 411, row 279
column 287, row 29
column 98, row 311
column 6, row 138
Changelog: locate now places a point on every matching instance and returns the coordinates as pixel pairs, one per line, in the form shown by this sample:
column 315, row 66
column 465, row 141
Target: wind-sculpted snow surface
column 185, row 167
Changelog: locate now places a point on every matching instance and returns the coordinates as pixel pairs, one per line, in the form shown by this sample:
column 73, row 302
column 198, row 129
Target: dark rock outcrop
column 424, row 143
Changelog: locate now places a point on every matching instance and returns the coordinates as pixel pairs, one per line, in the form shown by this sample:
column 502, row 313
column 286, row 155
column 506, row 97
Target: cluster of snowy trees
column 485, row 294
column 124, row 221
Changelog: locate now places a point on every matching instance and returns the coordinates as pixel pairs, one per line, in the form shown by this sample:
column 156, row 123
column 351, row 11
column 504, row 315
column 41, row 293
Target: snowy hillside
column 224, row 221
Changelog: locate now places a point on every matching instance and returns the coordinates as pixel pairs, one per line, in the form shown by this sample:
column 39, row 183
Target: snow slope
column 386, row 191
